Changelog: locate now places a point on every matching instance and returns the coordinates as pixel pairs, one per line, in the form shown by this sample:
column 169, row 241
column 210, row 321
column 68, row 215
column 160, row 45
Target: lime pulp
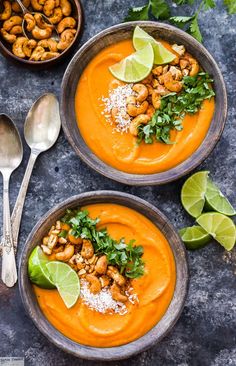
column 194, row 237
column 37, row 269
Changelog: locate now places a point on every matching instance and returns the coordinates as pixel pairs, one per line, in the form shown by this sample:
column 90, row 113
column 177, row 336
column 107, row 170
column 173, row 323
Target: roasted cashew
column 179, row 49
column 28, row 47
column 49, row 55
column 10, row 38
column 57, row 16
column 37, row 53
column 38, row 33
column 105, row 281
column 51, row 44
column 157, row 70
column 141, row 92
column 49, row 6
column 113, row 273
column 101, row 265
column 148, row 79
column 176, row 73
column 11, row 22
column 162, row 90
column 95, row 285
column 17, row 49
column 156, row 99
column 136, row 122
column 37, row 4
column 17, row 29
column 67, row 22
column 30, row 21
column 66, row 39
column 116, row 293
column 150, row 111
column 171, row 84
column 133, row 110
column 65, row 7
column 6, row 14
column 194, row 65
column 41, row 22
column 67, row 253
column 17, row 9
column 87, row 249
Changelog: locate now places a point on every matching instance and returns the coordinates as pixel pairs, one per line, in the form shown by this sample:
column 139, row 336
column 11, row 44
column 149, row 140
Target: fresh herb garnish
column 127, row 257
column 175, row 106
column 159, row 9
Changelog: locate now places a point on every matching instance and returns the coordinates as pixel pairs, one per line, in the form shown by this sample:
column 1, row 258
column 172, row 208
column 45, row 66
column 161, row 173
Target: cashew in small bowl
column 10, row 38
column 67, row 22
column 17, row 9
column 41, row 22
column 39, row 33
column 11, row 22
column 17, row 47
column 31, row 22
column 49, row 55
column 67, row 37
column 49, row 6
column 28, row 47
column 37, row 4
column 50, row 44
column 17, row 29
column 65, row 7
column 6, row 14
column 57, row 16
column 37, row 53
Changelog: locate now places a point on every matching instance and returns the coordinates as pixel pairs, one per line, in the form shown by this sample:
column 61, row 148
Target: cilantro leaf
column 209, row 4
column 183, row 2
column 231, row 6
column 160, row 9
column 180, row 21
column 194, row 30
column 139, row 13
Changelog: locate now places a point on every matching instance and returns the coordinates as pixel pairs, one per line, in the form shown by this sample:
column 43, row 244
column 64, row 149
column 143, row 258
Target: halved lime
column 37, row 269
column 161, row 54
column 194, row 237
column 220, row 227
column 66, row 281
column 193, row 193
column 216, row 201
column 135, row 67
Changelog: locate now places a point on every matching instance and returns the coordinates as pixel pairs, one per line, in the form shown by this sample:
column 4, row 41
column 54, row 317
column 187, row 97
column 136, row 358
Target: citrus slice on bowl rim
column 194, row 237
column 66, row 281
column 193, row 193
column 134, row 67
column 37, row 269
column 161, row 54
column 220, row 227
column 216, row 201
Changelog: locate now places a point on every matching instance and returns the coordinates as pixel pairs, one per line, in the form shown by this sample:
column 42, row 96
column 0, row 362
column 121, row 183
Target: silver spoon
column 28, row 34
column 41, row 130
column 11, row 153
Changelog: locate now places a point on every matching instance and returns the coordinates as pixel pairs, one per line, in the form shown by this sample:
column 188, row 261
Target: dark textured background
column 205, row 335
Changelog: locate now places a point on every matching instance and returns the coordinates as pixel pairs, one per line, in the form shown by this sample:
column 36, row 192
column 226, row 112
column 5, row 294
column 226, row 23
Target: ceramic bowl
column 113, row 35
column 5, row 48
column 157, row 332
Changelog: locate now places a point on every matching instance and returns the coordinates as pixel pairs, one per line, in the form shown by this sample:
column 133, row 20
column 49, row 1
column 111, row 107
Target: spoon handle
column 9, row 273
column 18, row 208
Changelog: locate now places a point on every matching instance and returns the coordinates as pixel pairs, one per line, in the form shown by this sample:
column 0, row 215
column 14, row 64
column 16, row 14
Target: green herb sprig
column 174, row 107
column 127, row 257
column 159, row 9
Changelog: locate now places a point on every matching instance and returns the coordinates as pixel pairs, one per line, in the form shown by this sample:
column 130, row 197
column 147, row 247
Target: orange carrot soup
column 110, row 140
column 151, row 293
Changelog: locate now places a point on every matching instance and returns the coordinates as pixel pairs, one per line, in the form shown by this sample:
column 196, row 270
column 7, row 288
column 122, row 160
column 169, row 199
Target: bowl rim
column 8, row 54
column 182, row 169
column 151, row 337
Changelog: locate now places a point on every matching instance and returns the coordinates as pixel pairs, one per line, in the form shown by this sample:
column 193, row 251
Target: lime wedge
column 194, row 237
column 216, row 201
column 66, row 281
column 37, row 269
column 220, row 227
column 193, row 193
column 135, row 67
column 161, row 54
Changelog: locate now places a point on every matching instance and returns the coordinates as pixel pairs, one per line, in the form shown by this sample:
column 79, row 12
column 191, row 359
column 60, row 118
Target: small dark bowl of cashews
column 49, row 31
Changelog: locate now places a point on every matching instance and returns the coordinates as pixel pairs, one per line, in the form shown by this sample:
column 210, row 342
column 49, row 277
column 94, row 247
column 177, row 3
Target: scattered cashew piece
column 69, row 249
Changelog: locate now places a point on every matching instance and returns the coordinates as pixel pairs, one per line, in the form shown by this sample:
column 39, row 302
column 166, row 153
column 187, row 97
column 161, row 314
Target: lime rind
column 161, row 54
column 220, row 227
column 66, row 281
column 216, row 201
column 135, row 67
column 37, row 269
column 194, row 237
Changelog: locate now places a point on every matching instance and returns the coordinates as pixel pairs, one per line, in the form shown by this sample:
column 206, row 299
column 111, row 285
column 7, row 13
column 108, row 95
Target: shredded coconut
column 103, row 301
column 117, row 99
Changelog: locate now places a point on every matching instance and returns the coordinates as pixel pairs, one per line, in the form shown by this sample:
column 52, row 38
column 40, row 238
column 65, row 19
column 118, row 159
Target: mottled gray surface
column 205, row 333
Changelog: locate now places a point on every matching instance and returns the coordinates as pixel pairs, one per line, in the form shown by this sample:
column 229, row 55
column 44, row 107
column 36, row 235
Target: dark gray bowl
column 155, row 334
column 112, row 35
